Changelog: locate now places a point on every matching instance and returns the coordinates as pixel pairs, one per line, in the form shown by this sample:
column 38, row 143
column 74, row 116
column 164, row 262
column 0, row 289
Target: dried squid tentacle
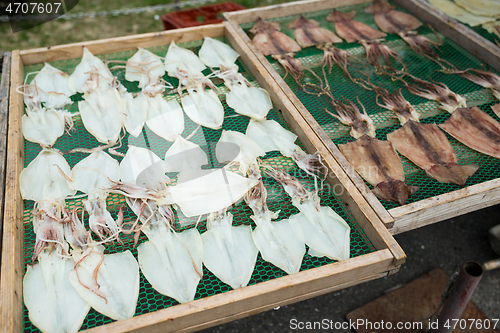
column 394, row 102
column 423, row 46
column 348, row 114
column 333, row 55
column 483, row 78
column 375, row 50
column 436, row 91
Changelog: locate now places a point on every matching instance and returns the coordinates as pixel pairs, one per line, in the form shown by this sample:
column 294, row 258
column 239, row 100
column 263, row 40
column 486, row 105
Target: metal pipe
column 460, row 294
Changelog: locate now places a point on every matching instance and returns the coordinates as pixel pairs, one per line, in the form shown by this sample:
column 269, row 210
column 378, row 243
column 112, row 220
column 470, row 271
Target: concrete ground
column 444, row 244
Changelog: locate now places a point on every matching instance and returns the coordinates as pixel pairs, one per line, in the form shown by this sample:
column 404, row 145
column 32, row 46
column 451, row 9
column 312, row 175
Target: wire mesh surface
column 384, row 120
column 149, row 299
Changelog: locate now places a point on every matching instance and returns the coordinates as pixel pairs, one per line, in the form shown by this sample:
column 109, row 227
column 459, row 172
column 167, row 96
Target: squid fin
column 53, row 304
column 281, row 246
column 118, row 281
column 233, row 262
column 394, row 191
column 173, row 270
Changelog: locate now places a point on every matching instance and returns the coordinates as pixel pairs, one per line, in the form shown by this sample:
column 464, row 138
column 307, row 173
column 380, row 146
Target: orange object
column 198, row 16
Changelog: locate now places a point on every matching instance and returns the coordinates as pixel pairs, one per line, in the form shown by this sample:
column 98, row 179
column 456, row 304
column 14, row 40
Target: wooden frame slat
column 4, row 120
column 219, row 308
column 470, row 40
column 12, row 245
column 409, row 216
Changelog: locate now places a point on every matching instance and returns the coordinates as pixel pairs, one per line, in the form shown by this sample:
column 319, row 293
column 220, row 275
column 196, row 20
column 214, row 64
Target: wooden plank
column 4, row 114
column 361, row 211
column 217, row 308
column 297, row 104
column 102, row 46
column 211, row 310
column 445, row 206
column 12, row 250
column 285, row 9
column 280, row 304
column 480, row 47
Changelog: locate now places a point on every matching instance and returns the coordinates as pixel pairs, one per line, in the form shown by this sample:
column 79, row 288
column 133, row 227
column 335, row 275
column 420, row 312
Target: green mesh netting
column 384, row 120
column 149, row 299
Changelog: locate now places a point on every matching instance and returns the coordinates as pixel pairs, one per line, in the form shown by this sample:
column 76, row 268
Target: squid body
column 323, row 230
column 116, row 277
column 229, row 251
column 52, row 85
column 144, row 168
column 52, row 302
column 214, row 191
column 93, row 175
column 165, row 118
column 186, row 158
column 183, row 64
column 43, row 126
column 90, row 74
column 145, row 67
column 249, row 101
column 171, row 261
column 203, row 106
column 277, row 241
column 102, row 114
column 41, row 179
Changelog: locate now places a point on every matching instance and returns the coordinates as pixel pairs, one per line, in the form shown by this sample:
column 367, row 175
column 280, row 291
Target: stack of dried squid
column 424, row 144
column 170, row 260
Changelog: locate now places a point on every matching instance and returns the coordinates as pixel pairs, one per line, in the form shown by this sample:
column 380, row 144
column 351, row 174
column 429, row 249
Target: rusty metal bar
column 460, row 294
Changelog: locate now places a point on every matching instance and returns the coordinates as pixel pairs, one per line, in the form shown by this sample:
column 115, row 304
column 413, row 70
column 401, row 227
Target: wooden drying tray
column 4, row 115
column 219, row 308
column 413, row 215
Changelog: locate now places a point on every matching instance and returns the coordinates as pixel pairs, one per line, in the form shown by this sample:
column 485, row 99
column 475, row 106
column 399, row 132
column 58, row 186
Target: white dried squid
column 52, row 86
column 90, row 74
column 229, row 251
column 102, row 114
column 144, row 66
column 94, row 175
